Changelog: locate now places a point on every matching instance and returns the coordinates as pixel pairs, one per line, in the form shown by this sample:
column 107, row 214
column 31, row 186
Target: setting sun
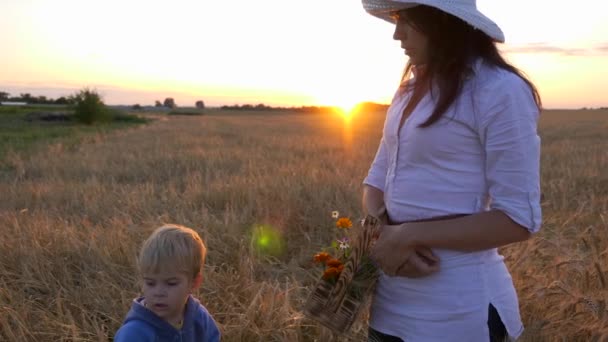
column 347, row 109
column 343, row 99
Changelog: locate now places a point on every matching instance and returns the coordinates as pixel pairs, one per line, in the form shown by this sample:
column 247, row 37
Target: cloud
column 599, row 50
column 603, row 48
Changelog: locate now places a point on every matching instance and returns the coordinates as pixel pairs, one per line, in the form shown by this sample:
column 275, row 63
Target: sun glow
column 345, row 104
column 347, row 110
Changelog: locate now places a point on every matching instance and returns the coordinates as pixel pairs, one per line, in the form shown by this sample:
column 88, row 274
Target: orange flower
column 322, row 257
column 331, row 273
column 344, row 223
column 333, row 263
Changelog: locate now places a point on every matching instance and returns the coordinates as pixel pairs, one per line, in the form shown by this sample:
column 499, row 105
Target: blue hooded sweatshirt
column 143, row 325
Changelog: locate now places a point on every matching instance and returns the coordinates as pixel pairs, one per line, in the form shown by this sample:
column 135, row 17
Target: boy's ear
column 197, row 281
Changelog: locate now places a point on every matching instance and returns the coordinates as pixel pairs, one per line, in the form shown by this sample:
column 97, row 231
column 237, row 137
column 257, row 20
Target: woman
column 456, row 175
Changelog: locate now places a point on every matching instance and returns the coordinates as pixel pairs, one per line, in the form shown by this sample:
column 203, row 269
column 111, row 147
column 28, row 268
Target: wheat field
column 72, row 218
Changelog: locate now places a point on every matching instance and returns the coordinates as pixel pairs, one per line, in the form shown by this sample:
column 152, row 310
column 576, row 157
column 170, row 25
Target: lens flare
column 267, row 240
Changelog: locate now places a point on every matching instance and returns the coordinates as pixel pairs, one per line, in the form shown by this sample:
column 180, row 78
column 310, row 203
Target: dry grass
column 72, row 220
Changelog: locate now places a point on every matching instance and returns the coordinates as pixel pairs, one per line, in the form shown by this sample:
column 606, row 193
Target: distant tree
column 88, row 107
column 136, row 106
column 200, row 104
column 169, row 102
column 26, row 97
column 62, row 101
column 157, row 104
column 4, row 96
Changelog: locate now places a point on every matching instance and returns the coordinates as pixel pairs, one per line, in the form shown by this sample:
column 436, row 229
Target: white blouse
column 483, row 154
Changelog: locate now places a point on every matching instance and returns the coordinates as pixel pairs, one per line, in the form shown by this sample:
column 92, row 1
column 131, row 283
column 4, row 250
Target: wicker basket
column 338, row 305
column 342, row 319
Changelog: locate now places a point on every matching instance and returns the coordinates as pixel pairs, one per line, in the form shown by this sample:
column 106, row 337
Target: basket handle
column 359, row 249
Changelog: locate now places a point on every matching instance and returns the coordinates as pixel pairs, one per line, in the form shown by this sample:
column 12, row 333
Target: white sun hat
column 463, row 9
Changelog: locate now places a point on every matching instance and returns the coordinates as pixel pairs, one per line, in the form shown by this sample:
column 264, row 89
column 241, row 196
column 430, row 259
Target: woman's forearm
column 373, row 202
column 469, row 233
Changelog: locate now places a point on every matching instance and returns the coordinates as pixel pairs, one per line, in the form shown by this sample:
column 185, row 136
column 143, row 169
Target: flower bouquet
column 348, row 279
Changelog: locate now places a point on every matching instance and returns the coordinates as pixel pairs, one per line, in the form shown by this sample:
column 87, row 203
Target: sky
column 275, row 52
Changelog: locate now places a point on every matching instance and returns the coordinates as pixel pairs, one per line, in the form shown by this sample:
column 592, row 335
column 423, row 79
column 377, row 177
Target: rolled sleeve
column 508, row 132
column 376, row 176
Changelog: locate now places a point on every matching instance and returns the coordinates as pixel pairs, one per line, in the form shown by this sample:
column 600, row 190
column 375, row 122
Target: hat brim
column 385, row 9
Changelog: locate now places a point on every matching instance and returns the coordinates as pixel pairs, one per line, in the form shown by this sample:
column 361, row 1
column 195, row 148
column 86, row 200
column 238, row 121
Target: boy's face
column 166, row 293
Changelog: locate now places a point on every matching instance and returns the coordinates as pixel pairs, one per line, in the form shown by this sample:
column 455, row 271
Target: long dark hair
column 453, row 45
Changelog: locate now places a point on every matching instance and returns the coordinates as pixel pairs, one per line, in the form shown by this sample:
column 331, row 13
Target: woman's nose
column 400, row 32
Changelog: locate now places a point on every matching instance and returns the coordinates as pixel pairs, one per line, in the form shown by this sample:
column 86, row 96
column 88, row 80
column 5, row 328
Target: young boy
column 170, row 264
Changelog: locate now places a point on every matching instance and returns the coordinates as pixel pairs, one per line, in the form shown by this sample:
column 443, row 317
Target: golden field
column 73, row 216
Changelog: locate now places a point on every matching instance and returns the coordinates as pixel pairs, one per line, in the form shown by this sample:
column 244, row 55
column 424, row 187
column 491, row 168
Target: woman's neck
column 419, row 70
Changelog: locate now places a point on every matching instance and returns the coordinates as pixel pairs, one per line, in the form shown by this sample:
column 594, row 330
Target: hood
column 140, row 313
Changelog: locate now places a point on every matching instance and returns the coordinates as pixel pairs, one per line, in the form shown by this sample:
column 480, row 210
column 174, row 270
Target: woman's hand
column 397, row 256
column 420, row 264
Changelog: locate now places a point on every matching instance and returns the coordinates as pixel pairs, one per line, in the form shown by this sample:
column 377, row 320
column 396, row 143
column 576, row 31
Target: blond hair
column 172, row 247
